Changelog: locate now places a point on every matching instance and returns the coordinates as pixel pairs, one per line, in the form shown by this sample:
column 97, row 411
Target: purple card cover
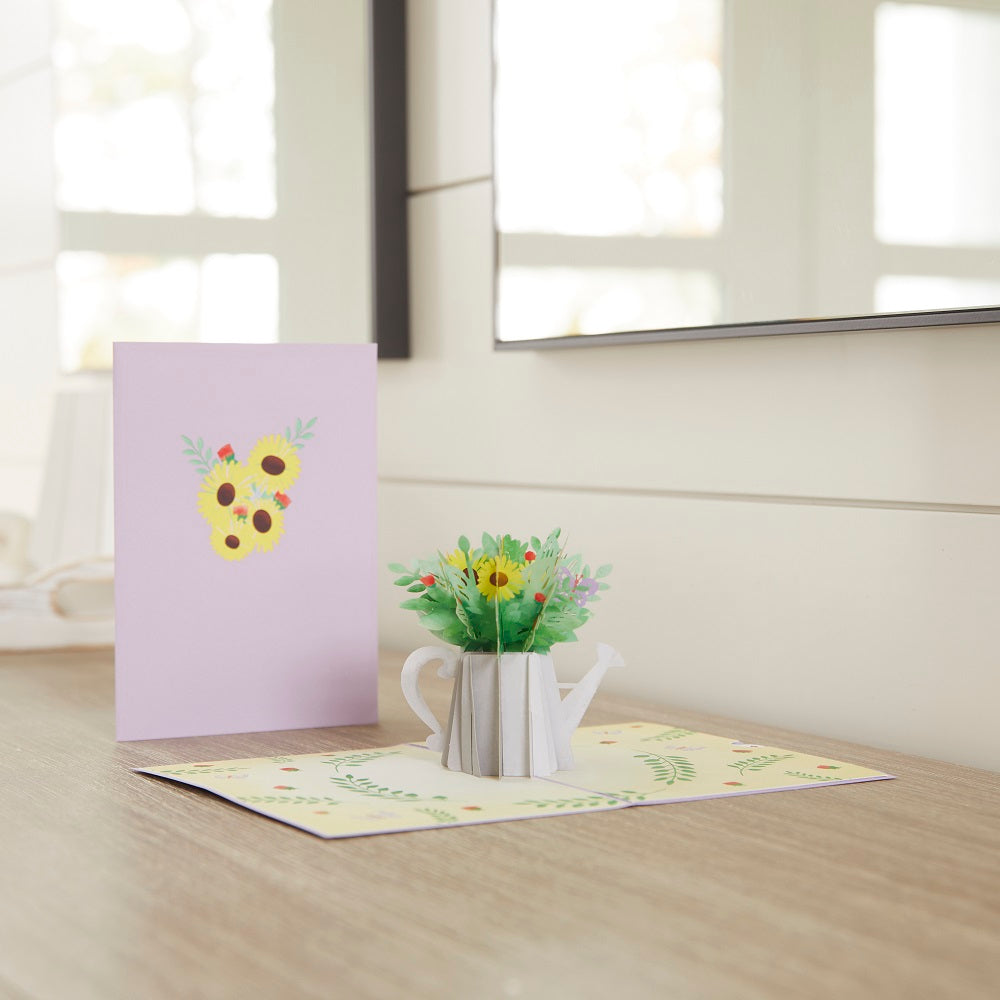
column 245, row 548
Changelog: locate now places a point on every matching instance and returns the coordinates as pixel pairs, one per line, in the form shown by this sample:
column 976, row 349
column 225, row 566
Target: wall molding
column 706, row 495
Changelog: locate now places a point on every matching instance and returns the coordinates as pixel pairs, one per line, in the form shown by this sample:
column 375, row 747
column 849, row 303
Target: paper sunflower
column 274, row 463
column 458, row 560
column 500, row 578
column 233, row 539
column 226, row 484
column 267, row 519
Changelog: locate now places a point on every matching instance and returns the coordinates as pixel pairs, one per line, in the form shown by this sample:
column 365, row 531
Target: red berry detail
column 540, row 597
column 608, row 742
column 289, row 769
column 225, row 451
column 732, row 782
column 474, row 808
column 428, row 581
column 285, row 788
column 322, row 812
column 741, row 751
column 529, row 556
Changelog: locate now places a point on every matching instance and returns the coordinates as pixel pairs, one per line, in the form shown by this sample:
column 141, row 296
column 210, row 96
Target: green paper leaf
column 417, row 588
column 298, row 425
column 404, row 581
column 463, row 543
column 603, row 570
column 439, row 618
column 398, row 568
column 311, row 422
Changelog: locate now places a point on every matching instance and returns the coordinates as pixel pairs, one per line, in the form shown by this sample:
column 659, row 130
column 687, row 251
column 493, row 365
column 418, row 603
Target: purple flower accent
column 584, row 590
column 579, row 589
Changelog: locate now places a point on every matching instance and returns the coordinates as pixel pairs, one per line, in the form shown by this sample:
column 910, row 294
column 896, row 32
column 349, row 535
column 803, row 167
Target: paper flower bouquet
column 504, row 596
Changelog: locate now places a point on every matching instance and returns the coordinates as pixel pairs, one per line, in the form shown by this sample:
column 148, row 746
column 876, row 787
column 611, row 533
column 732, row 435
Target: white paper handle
column 410, row 678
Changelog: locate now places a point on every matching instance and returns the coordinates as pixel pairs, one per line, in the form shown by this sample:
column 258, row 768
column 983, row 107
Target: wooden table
column 116, row 885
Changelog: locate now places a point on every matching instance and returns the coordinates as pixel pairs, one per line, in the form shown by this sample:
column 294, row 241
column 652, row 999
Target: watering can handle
column 410, row 681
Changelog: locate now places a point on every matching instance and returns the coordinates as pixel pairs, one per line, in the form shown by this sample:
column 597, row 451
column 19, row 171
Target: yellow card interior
column 352, row 793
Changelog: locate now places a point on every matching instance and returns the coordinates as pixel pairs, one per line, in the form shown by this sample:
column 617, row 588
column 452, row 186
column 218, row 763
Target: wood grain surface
column 118, row 885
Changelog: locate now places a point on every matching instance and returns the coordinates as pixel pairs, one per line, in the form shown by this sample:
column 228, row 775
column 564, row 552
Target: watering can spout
column 578, row 700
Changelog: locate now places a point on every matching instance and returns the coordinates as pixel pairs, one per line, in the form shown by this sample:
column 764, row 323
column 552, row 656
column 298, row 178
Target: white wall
column 28, row 347
column 802, row 527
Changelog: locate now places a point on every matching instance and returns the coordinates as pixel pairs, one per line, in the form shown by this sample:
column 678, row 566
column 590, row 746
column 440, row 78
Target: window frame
column 342, row 259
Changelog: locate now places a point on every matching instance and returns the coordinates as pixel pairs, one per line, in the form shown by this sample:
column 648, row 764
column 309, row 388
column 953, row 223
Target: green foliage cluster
column 546, row 601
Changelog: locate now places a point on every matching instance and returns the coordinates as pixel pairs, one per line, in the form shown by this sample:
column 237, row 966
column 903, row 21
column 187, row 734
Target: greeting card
column 244, row 537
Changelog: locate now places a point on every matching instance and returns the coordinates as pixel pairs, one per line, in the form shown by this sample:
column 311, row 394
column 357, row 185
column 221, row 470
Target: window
column 600, row 180
column 164, row 113
column 212, row 173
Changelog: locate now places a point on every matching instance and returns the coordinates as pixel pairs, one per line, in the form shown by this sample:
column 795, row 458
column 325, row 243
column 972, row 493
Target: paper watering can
column 507, row 716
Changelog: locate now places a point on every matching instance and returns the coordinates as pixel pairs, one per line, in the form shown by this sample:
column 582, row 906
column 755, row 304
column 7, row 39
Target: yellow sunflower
column 233, row 539
column 225, row 486
column 267, row 519
column 458, row 560
column 274, row 463
column 500, row 578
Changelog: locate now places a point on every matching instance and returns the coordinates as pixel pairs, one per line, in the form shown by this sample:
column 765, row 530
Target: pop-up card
column 352, row 793
column 244, row 537
column 502, row 606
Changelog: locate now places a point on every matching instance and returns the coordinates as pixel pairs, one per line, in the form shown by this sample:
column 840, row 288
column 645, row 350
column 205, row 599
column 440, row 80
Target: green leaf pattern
column 438, row 815
column 760, row 762
column 361, row 757
column 199, row 455
column 582, row 801
column 301, row 435
column 674, row 733
column 365, row 786
column 668, row 769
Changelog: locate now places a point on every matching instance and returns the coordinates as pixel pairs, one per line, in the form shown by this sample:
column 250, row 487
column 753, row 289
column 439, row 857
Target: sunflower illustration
column 267, row 520
column 226, row 484
column 274, row 463
column 233, row 538
column 245, row 502
column 500, row 578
